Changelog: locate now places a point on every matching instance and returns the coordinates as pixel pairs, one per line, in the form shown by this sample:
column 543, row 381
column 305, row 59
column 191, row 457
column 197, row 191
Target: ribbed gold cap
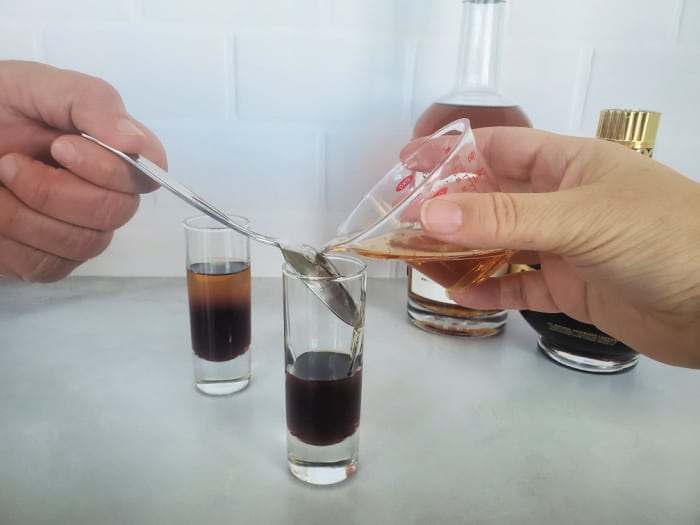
column 634, row 128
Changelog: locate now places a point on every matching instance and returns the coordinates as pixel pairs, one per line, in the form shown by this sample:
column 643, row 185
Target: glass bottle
column 475, row 97
column 570, row 342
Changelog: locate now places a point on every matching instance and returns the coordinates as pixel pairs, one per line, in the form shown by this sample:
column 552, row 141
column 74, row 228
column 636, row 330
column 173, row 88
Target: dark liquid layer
column 584, row 340
column 323, row 402
column 219, row 296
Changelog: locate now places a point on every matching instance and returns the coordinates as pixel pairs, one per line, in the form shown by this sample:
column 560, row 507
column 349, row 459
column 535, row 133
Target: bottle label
column 599, row 338
column 428, row 289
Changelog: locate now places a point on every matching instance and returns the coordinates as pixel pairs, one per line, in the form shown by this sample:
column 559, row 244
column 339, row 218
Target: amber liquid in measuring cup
column 447, row 264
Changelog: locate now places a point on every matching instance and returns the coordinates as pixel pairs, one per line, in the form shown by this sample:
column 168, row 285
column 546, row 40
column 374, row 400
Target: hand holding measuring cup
column 386, row 222
column 613, row 232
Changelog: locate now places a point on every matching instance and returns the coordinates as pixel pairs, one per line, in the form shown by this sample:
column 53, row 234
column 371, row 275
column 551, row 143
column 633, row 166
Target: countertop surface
column 101, row 422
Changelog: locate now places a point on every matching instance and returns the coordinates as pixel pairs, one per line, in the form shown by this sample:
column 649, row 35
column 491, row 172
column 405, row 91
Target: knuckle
column 39, row 193
column 504, row 215
column 81, row 244
column 46, row 268
column 36, row 185
column 115, row 210
column 96, row 89
column 11, row 216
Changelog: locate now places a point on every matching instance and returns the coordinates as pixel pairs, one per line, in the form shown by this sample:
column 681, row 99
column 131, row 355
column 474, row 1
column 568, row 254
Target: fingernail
column 64, row 152
column 441, row 216
column 8, row 169
column 127, row 127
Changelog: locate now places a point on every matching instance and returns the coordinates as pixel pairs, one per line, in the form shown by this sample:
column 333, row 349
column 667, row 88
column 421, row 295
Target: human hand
column 616, row 234
column 61, row 196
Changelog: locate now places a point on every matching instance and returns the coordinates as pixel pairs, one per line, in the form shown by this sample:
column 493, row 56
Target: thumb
column 518, row 221
column 70, row 101
column 97, row 109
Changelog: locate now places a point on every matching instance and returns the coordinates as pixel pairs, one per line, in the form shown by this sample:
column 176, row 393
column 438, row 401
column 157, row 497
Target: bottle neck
column 479, row 48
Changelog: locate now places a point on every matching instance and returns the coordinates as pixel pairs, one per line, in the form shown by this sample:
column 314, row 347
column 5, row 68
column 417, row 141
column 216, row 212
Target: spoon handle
column 158, row 174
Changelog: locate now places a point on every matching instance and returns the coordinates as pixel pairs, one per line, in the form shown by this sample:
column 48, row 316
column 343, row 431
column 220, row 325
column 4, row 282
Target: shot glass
column 218, row 288
column 323, row 375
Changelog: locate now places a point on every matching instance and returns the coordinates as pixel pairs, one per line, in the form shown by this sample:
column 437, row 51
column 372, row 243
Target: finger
column 99, row 166
column 448, row 169
column 519, row 221
column 518, row 291
column 24, row 225
column 516, row 159
column 31, row 265
column 72, row 102
column 423, row 154
column 60, row 194
column 439, row 169
column 524, row 159
column 525, row 258
column 99, row 111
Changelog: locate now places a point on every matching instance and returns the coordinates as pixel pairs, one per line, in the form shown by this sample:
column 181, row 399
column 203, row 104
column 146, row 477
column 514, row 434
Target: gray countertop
column 101, row 423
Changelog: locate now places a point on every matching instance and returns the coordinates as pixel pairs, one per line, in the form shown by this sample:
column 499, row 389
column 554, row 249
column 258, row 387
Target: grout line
column 324, row 15
column 409, row 90
column 322, row 168
column 324, row 229
column 230, row 105
column 581, row 89
column 677, row 20
column 40, row 46
column 507, row 39
column 136, row 11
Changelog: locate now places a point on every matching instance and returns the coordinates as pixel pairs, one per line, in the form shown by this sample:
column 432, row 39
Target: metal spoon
column 303, row 258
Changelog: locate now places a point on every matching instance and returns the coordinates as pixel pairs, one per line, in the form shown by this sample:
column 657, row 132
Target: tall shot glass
column 218, row 288
column 323, row 375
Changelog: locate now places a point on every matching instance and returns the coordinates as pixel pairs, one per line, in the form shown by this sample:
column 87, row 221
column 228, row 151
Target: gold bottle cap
column 632, row 127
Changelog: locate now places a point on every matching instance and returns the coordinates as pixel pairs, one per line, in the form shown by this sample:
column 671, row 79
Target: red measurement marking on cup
column 408, row 179
column 441, row 191
column 446, row 149
column 472, row 156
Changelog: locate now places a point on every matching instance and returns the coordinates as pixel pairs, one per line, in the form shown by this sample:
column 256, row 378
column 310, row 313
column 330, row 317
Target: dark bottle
column 579, row 345
column 475, row 97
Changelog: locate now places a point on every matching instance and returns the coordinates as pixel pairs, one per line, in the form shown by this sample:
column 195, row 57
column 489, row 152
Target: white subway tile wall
column 287, row 110
column 689, row 23
column 19, row 42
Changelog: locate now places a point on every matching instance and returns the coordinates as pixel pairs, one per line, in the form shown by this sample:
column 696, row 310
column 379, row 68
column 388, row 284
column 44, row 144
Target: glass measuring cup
column 386, row 222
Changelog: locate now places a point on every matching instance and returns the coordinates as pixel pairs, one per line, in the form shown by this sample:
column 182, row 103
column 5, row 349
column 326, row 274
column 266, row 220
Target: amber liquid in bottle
column 475, row 96
column 440, row 114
